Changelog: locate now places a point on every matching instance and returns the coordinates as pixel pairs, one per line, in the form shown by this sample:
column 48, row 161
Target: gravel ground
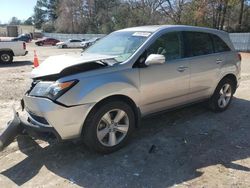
column 190, row 147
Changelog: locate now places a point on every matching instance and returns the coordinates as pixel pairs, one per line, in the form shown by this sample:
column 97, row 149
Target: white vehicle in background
column 88, row 43
column 71, row 43
column 9, row 49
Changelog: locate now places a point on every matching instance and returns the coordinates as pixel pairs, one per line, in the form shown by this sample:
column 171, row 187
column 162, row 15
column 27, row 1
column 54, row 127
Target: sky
column 22, row 9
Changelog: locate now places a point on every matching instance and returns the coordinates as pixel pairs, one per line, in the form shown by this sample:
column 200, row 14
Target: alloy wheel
column 225, row 95
column 113, row 127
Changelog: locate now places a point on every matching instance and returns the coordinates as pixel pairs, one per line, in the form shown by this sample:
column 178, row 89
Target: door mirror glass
column 155, row 59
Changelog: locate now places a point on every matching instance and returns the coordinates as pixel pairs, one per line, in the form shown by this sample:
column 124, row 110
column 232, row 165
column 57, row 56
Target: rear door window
column 75, row 41
column 219, row 45
column 197, row 43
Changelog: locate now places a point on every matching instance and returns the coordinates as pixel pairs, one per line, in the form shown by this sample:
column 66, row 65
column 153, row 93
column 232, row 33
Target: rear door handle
column 182, row 68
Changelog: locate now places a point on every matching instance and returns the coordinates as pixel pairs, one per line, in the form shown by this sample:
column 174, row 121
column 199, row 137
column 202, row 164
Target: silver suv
column 127, row 75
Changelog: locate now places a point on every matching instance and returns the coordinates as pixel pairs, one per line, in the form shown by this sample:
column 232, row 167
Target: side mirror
column 155, row 59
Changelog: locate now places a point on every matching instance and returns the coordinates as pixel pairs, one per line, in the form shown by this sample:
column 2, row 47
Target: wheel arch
column 118, row 97
column 7, row 50
column 233, row 78
column 213, row 101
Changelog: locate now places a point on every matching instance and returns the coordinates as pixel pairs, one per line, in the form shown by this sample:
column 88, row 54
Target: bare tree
column 104, row 16
column 173, row 9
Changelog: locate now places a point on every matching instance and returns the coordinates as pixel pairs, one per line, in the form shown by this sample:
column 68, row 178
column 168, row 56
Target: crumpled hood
column 55, row 64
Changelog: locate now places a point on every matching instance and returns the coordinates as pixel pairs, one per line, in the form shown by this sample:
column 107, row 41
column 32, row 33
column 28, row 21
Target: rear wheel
column 64, row 46
column 109, row 127
column 6, row 57
column 222, row 96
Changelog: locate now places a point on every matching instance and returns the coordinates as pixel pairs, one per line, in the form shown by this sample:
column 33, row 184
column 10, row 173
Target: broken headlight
column 52, row 90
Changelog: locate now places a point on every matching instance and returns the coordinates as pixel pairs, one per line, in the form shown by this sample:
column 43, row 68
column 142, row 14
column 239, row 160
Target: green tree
column 45, row 11
column 29, row 21
column 52, row 9
column 40, row 13
column 14, row 21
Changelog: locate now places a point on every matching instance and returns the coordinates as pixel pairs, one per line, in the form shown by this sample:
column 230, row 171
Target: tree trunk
column 214, row 17
column 219, row 9
column 224, row 11
column 218, row 20
column 241, row 13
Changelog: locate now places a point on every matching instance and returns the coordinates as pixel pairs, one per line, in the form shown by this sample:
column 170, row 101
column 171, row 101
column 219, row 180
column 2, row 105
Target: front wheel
column 109, row 127
column 222, row 96
column 6, row 57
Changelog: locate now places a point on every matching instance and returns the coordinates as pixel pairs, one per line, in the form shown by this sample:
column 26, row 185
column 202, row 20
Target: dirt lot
column 191, row 147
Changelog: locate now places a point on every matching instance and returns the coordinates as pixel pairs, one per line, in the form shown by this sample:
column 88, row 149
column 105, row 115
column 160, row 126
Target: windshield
column 120, row 44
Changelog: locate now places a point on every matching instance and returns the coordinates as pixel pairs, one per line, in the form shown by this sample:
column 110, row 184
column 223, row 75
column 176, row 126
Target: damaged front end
column 70, row 71
column 56, row 67
column 49, row 72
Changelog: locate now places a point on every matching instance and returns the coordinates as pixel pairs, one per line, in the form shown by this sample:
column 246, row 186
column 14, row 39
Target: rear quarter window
column 219, row 45
column 75, row 41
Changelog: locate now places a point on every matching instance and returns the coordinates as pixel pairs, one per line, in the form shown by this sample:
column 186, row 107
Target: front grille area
column 39, row 119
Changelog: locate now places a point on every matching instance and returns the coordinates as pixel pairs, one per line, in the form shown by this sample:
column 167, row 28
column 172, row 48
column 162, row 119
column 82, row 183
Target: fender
column 94, row 89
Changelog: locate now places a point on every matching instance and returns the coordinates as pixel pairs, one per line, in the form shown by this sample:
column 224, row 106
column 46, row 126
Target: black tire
column 64, row 46
column 92, row 122
column 6, row 57
column 214, row 100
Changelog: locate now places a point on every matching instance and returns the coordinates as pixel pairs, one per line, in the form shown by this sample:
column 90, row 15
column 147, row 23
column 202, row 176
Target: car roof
column 155, row 28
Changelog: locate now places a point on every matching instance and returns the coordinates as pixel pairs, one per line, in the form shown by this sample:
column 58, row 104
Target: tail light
column 24, row 46
column 239, row 56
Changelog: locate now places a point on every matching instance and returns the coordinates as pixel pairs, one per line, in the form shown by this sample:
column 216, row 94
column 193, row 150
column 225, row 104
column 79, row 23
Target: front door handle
column 182, row 68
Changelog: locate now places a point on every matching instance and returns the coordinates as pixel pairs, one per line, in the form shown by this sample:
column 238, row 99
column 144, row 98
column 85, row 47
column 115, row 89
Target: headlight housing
column 52, row 90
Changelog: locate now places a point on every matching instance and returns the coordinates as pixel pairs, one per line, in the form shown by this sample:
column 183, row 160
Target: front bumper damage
column 18, row 126
column 41, row 115
column 67, row 121
column 13, row 128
